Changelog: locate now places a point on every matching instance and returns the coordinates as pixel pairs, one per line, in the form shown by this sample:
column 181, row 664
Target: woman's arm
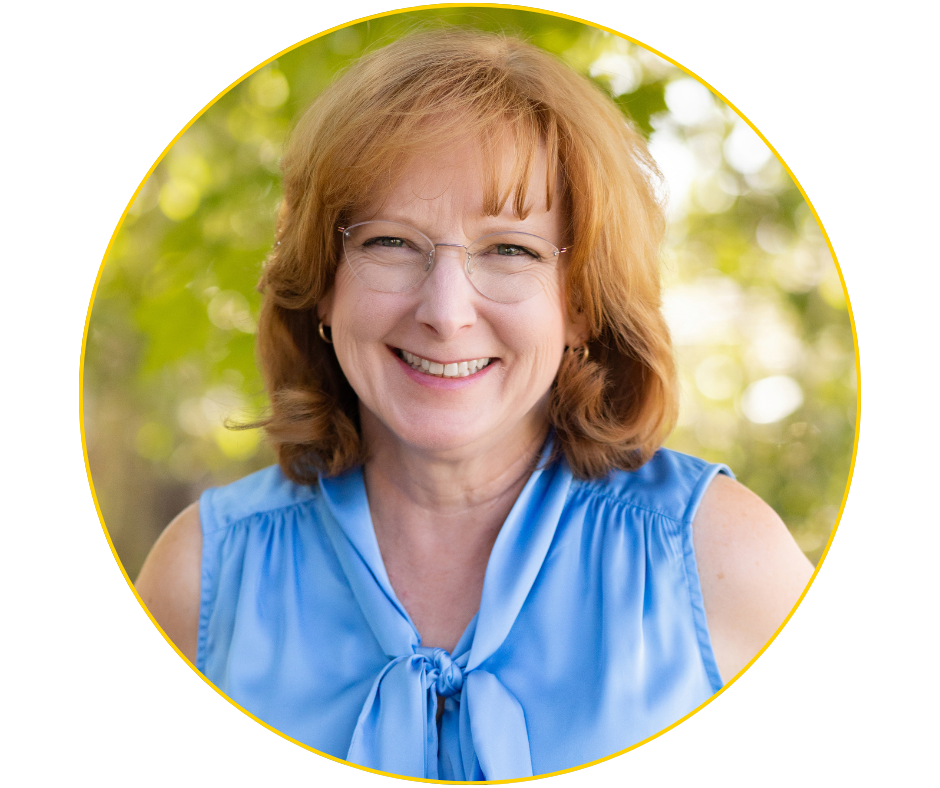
column 751, row 570
column 170, row 579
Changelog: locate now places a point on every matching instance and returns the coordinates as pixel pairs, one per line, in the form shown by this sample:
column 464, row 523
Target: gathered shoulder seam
column 258, row 512
column 593, row 492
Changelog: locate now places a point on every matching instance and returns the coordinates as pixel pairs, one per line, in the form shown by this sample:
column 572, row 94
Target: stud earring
column 323, row 335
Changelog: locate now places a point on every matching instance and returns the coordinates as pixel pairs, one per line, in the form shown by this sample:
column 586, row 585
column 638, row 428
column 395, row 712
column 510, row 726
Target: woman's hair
column 610, row 411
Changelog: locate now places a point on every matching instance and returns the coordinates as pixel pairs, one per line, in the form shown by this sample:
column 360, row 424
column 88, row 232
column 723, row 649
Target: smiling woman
column 473, row 560
column 473, row 300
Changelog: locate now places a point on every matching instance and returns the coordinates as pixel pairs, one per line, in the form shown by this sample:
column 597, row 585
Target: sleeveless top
column 590, row 637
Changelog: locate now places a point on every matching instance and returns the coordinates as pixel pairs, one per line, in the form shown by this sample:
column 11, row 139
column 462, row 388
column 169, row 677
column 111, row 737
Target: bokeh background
column 753, row 297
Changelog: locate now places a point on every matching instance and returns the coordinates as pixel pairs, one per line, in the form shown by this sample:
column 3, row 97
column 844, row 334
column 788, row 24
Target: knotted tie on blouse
column 445, row 675
column 483, row 734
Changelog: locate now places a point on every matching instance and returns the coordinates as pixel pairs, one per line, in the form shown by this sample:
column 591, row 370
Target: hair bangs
column 504, row 123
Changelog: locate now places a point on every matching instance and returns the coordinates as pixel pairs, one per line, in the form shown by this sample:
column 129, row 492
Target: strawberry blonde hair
column 612, row 410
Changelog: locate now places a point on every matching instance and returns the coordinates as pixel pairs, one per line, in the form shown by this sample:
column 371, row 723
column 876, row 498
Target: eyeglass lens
column 393, row 258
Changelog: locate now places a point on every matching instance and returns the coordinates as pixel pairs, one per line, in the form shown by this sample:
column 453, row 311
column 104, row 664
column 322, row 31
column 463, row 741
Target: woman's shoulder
column 189, row 553
column 263, row 492
column 670, row 483
column 737, row 553
column 168, row 583
column 752, row 572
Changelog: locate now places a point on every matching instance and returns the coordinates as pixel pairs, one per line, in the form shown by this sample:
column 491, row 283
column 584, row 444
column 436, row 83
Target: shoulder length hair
column 612, row 410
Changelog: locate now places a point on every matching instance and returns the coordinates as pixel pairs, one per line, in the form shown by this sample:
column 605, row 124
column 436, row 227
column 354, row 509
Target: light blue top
column 590, row 637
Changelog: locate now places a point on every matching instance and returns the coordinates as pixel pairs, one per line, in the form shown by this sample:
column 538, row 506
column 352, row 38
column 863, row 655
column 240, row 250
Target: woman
column 473, row 561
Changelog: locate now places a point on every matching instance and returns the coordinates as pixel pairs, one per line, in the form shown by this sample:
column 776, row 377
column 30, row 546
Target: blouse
column 590, row 637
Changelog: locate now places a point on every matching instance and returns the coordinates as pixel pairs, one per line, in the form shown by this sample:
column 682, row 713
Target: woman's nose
column 447, row 296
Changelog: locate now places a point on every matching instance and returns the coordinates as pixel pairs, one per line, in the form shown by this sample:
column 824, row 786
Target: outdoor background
column 753, row 297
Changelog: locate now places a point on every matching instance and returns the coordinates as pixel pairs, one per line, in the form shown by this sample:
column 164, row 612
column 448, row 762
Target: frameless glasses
column 506, row 267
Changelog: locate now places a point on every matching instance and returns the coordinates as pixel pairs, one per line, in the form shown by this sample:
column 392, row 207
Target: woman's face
column 445, row 320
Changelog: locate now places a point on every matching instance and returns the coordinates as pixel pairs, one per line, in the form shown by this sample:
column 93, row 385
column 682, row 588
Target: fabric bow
column 444, row 675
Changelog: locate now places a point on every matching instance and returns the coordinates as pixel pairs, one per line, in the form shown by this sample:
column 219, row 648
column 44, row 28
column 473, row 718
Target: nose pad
column 446, row 298
column 442, row 278
column 432, row 259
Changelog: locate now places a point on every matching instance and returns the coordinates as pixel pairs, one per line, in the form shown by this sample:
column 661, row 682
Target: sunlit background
column 754, row 300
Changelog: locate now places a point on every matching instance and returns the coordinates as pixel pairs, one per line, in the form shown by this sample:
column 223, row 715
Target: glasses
column 506, row 267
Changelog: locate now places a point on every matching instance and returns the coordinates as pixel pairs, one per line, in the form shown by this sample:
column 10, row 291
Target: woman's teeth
column 460, row 369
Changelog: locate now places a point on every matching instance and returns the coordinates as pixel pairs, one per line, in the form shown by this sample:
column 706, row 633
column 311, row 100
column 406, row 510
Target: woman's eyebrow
column 501, row 221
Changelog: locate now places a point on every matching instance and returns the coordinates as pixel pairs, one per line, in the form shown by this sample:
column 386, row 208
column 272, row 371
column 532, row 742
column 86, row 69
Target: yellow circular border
column 858, row 372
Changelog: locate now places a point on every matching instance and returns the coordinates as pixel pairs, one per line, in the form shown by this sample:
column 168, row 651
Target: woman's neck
column 436, row 517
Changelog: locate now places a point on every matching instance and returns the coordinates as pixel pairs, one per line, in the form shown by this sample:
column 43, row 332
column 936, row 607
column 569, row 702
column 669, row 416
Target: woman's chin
column 439, row 432
column 438, row 439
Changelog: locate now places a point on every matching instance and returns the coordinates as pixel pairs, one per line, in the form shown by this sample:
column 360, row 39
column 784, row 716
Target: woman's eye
column 511, row 250
column 388, row 242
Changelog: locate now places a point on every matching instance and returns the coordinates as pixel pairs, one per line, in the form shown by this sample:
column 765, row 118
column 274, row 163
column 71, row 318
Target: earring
column 584, row 352
column 323, row 335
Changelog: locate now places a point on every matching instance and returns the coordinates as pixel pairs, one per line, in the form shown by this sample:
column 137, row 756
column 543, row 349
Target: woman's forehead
column 480, row 178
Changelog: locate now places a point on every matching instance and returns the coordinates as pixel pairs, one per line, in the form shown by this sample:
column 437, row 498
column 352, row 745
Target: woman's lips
column 443, row 369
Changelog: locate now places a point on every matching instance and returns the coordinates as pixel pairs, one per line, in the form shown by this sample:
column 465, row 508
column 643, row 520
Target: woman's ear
column 577, row 330
column 325, row 308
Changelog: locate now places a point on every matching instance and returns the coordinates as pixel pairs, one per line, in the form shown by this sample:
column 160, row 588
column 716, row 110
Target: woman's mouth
column 454, row 369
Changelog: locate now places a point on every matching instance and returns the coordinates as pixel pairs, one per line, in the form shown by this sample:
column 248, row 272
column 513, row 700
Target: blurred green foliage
column 758, row 314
